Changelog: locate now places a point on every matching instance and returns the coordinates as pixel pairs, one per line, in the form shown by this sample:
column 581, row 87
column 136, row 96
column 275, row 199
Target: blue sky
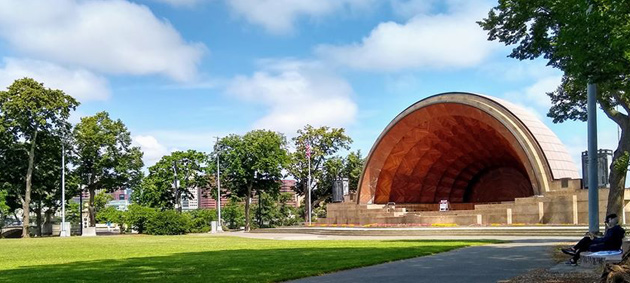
column 180, row 72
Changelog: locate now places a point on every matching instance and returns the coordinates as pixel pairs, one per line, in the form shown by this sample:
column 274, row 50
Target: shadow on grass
column 246, row 265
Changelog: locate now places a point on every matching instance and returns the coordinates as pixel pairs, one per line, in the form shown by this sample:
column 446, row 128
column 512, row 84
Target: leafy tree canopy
column 28, row 110
column 252, row 162
column 104, row 157
column 157, row 190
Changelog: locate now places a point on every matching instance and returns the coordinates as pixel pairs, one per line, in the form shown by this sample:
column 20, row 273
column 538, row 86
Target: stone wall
column 556, row 207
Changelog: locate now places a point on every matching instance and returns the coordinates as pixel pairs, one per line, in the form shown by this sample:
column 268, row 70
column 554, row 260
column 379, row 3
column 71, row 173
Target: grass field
column 196, row 258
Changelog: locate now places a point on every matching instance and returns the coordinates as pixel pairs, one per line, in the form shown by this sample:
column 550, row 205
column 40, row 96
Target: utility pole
column 220, row 226
column 63, row 233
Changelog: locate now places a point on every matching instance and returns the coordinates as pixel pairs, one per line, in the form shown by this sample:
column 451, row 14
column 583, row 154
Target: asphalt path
column 488, row 263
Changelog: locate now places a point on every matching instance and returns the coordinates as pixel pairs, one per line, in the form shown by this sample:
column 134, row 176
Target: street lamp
column 220, row 226
column 64, row 232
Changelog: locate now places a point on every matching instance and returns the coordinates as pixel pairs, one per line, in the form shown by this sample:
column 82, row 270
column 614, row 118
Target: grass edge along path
column 198, row 258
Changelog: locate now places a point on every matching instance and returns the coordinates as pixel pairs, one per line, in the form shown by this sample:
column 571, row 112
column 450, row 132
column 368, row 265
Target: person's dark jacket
column 612, row 239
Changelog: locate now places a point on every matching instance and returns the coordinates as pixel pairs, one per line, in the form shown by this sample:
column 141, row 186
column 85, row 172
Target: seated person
column 610, row 242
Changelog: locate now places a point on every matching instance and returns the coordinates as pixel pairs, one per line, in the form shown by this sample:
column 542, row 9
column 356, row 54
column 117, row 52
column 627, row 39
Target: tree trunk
column 91, row 209
column 27, row 194
column 618, row 177
column 248, row 201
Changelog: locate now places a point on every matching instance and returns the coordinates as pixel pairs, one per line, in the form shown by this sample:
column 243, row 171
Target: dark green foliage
column 234, row 214
column 104, row 156
column 200, row 220
column 252, row 163
column 137, row 217
column 273, row 211
column 167, row 222
column 28, row 113
column 156, row 190
column 325, row 143
column 112, row 215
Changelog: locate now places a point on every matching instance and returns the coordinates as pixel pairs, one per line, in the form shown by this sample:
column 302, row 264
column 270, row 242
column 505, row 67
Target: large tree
column 252, row 163
column 324, row 143
column 589, row 40
column 27, row 111
column 104, row 157
column 158, row 189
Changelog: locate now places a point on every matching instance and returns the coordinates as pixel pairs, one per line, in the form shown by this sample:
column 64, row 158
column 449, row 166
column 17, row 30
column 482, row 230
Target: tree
column 353, row 167
column 4, row 208
column 104, row 157
column 589, row 40
column 27, row 110
column 101, row 199
column 252, row 163
column 158, row 190
column 324, row 142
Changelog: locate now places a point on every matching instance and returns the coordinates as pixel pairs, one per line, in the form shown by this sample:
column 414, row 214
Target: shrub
column 110, row 214
column 137, row 217
column 167, row 222
column 234, row 214
column 200, row 220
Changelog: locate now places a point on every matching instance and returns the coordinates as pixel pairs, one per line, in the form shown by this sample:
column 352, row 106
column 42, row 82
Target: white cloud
column 297, row 93
column 117, row 37
column 152, row 149
column 537, row 93
column 446, row 40
column 79, row 83
column 279, row 16
column 534, row 98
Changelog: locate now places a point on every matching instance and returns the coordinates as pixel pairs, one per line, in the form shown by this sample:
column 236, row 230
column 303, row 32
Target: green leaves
column 255, row 159
column 157, row 190
column 103, row 155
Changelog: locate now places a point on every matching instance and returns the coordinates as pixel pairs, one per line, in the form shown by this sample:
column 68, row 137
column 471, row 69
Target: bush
column 200, row 220
column 168, row 222
column 137, row 217
column 234, row 214
column 110, row 214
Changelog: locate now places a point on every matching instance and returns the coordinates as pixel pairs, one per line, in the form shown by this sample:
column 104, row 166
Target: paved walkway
column 489, row 263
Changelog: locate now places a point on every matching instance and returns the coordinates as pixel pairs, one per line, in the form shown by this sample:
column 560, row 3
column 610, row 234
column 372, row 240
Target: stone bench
column 587, row 258
column 590, row 259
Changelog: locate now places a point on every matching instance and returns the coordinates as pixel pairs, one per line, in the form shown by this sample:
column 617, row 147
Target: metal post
column 176, row 187
column 309, row 190
column 64, row 233
column 593, row 193
column 220, row 228
column 81, row 210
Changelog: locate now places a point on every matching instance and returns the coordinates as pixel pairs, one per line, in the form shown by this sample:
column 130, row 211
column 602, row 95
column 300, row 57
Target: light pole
column 220, row 226
column 64, row 232
column 593, row 193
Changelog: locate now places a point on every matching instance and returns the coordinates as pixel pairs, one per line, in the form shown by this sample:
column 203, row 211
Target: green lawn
column 196, row 258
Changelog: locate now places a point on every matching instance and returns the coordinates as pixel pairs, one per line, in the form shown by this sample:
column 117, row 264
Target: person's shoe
column 571, row 262
column 569, row 251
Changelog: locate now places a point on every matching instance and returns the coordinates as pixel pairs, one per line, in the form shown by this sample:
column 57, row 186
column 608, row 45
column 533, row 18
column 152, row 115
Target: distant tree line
column 35, row 131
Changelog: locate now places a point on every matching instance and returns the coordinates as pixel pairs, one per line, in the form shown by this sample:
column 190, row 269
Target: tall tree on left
column 104, row 157
column 28, row 109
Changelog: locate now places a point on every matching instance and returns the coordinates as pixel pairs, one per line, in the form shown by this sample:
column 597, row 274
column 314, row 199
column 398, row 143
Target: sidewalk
column 489, row 263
